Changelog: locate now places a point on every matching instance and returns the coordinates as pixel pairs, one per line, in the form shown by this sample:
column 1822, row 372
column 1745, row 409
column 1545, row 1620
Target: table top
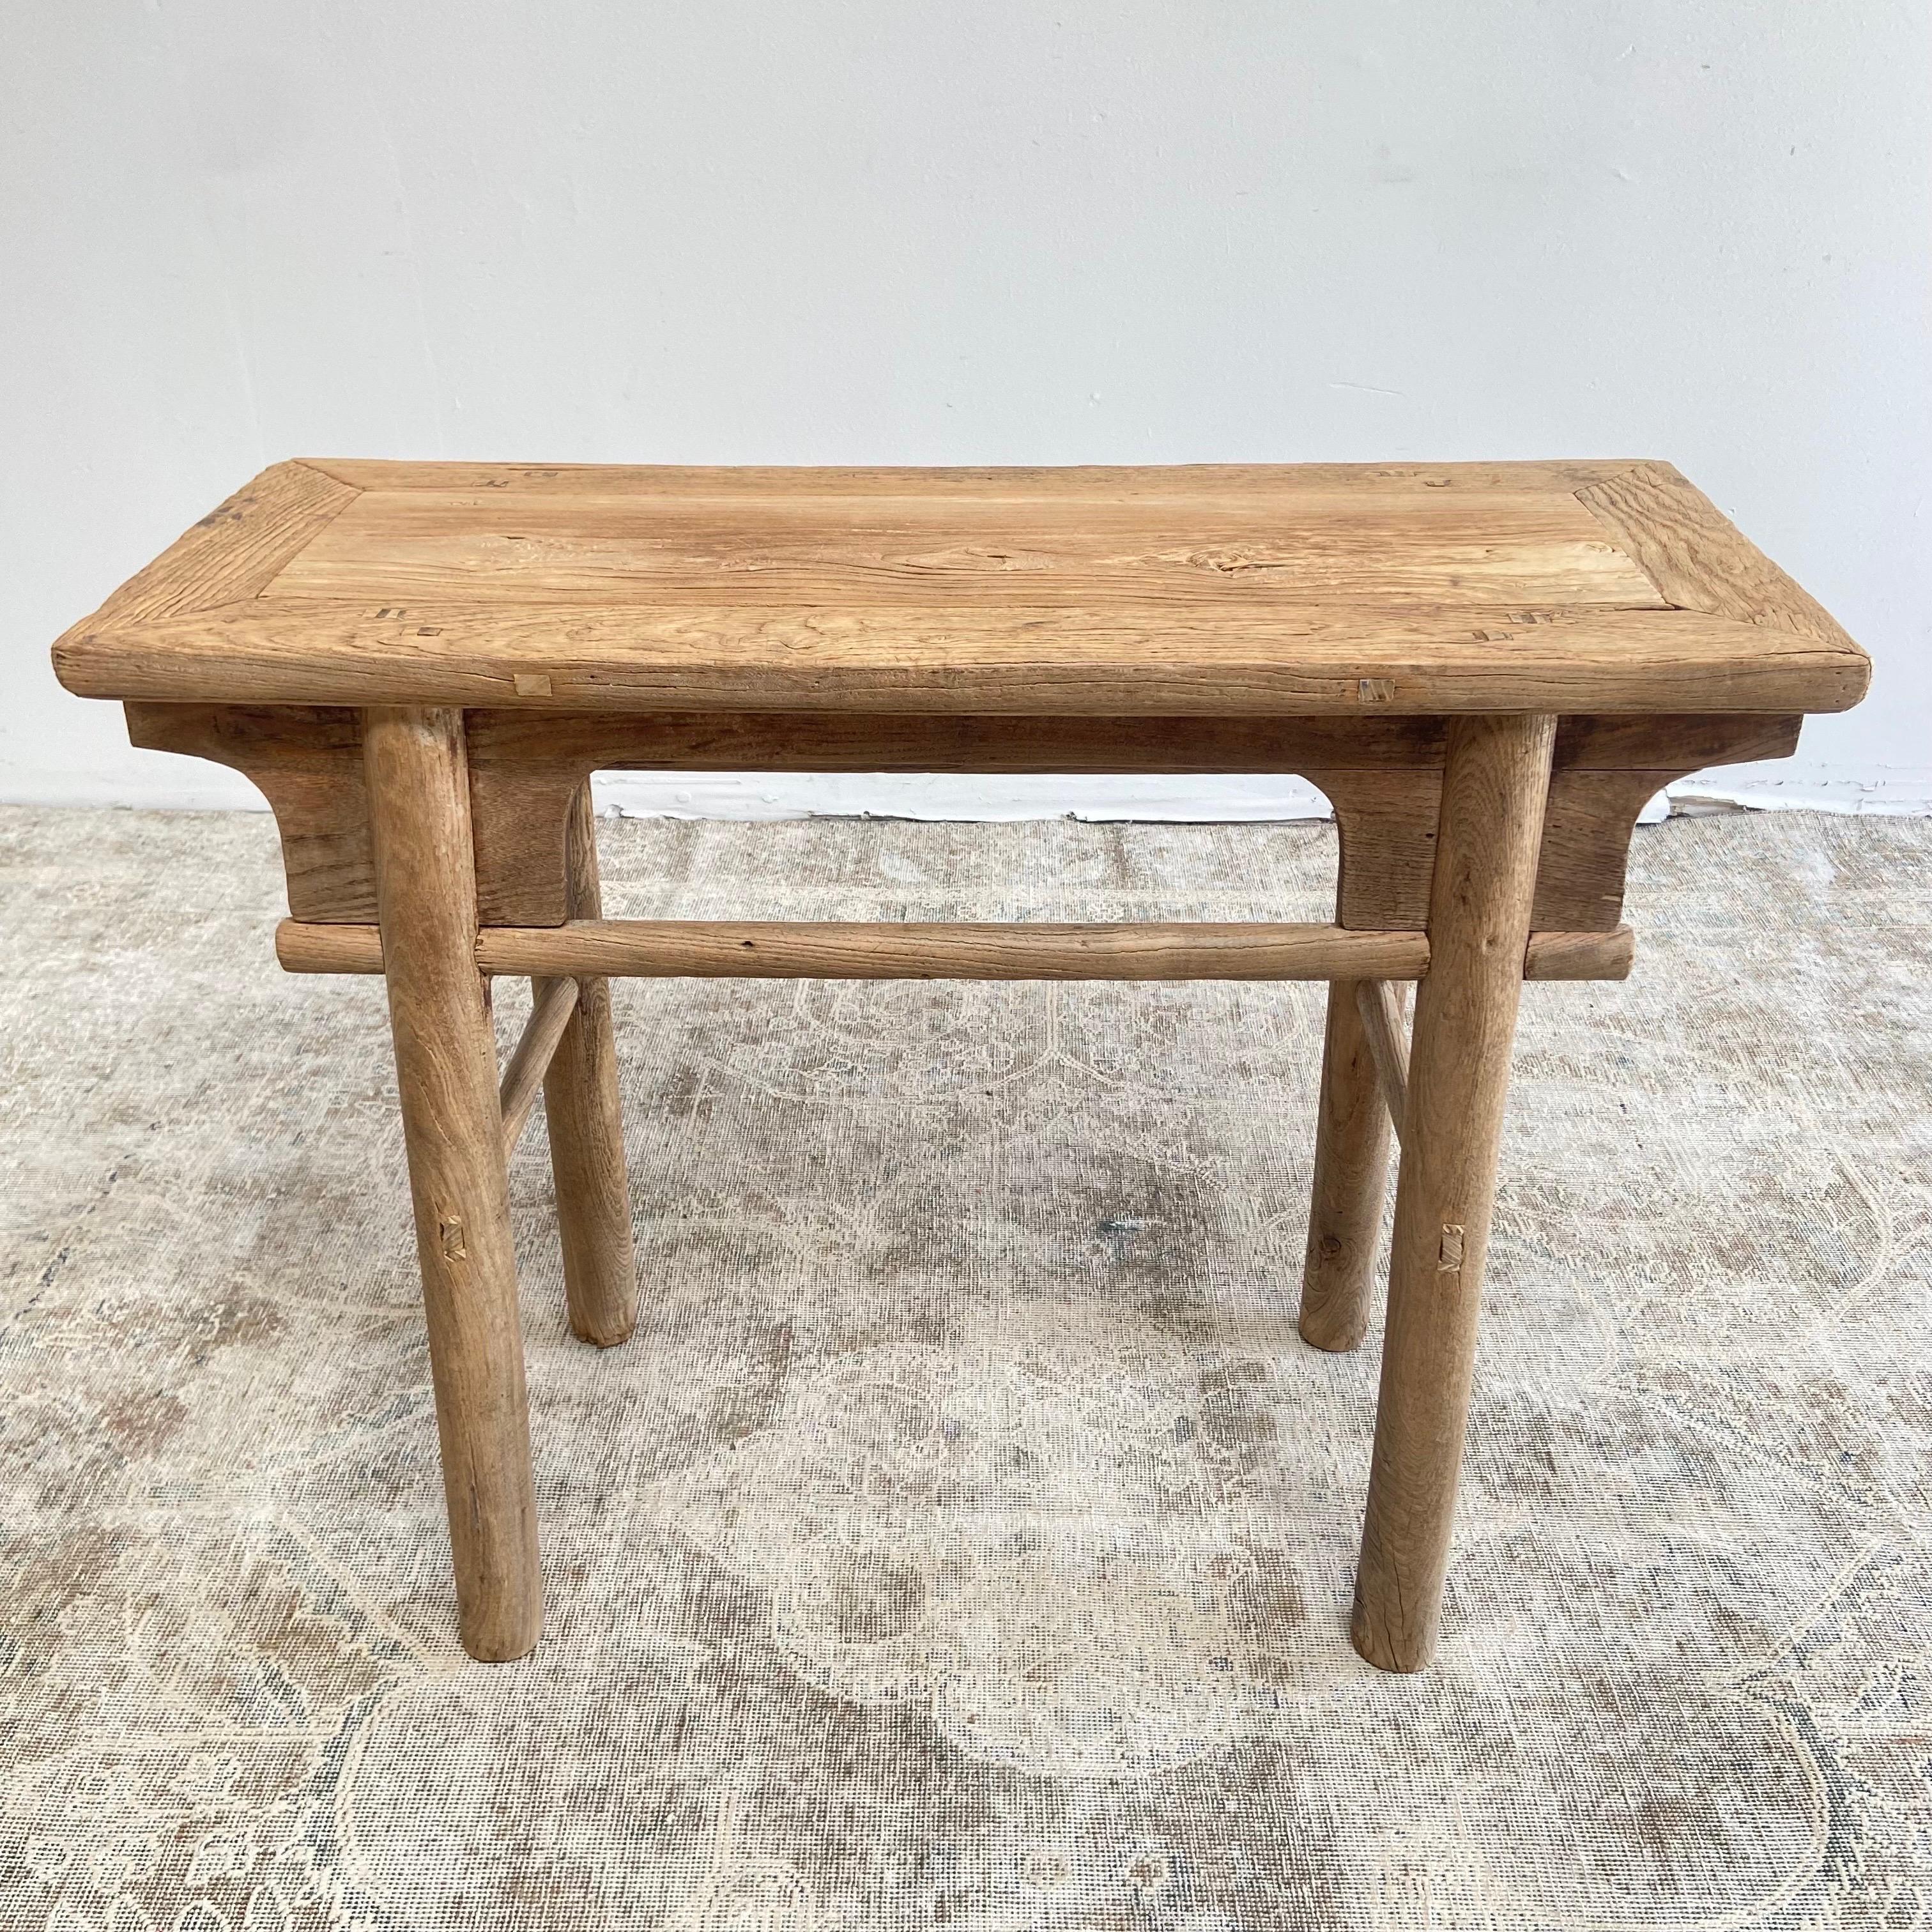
column 1429, row 589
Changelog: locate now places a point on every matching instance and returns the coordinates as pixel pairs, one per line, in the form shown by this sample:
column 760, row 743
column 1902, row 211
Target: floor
column 965, row 1538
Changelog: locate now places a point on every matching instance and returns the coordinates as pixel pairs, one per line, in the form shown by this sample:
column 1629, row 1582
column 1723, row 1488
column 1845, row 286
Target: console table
column 1487, row 668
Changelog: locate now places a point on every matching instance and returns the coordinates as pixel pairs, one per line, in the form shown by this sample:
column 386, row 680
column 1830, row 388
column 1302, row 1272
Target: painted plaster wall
column 833, row 230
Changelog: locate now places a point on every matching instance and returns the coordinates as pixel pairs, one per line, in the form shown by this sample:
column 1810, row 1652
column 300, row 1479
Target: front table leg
column 1494, row 785
column 446, row 1071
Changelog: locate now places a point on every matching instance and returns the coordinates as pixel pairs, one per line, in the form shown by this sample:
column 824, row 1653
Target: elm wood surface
column 1382, row 774
column 1486, row 667
column 861, row 950
column 1495, row 781
column 1695, row 555
column 1335, row 589
column 307, row 761
column 452, row 1130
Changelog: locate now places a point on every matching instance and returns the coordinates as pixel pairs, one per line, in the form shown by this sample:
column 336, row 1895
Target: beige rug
column 965, row 1539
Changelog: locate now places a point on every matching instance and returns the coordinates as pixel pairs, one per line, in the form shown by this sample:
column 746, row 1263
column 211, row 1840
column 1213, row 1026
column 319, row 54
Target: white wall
column 1104, row 231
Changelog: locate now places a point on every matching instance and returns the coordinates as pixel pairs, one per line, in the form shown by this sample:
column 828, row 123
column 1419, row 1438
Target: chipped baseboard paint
column 952, row 796
column 1907, row 795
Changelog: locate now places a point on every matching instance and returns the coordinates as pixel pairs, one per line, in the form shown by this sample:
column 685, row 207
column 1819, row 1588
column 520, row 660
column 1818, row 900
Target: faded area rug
column 966, row 1539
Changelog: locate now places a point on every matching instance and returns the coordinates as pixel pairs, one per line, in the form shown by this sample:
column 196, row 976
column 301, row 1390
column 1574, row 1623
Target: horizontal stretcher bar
column 725, row 949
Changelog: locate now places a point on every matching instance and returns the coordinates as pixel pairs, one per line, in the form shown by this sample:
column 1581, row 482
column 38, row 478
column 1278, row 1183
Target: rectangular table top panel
column 1305, row 588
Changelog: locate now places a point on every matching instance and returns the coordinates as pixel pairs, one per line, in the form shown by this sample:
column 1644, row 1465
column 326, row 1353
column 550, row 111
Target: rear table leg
column 586, row 1133
column 1344, row 1215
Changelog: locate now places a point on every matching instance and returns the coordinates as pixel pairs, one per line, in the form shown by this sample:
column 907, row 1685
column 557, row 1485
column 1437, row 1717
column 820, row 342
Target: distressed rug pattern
column 966, row 1538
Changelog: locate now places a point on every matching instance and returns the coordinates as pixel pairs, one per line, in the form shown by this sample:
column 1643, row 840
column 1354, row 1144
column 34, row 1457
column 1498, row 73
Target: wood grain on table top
column 1316, row 588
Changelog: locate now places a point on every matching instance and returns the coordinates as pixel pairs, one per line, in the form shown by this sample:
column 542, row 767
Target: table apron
column 1382, row 776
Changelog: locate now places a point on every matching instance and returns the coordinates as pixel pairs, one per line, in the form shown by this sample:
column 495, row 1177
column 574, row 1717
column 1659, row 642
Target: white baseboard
column 1209, row 801
column 188, row 785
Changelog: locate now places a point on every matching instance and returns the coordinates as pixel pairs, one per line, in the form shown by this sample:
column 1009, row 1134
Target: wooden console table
column 1487, row 668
